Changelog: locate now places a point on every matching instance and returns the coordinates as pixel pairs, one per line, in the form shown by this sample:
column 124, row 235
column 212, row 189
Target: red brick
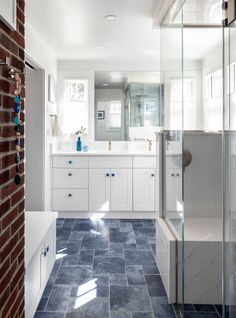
column 9, row 217
column 4, row 146
column 16, row 197
column 4, row 207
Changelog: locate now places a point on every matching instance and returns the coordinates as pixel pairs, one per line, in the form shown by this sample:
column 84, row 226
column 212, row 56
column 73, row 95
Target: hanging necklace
column 17, row 123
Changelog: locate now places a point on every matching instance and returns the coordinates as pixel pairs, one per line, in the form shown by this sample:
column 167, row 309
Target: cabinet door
column 170, row 190
column 144, row 189
column 121, row 190
column 99, row 189
column 33, row 283
column 178, row 186
column 49, row 249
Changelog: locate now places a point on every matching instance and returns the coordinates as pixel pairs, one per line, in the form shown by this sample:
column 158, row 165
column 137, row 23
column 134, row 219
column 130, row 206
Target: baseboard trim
column 107, row 215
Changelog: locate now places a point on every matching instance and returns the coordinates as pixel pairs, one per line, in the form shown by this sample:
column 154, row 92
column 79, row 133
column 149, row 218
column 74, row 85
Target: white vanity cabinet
column 40, row 255
column 110, row 184
column 144, row 184
column 70, row 182
column 173, row 189
column 144, row 189
column 99, row 190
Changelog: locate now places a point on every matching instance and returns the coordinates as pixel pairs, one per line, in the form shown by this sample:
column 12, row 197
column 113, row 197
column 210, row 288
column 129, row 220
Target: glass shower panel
column 170, row 145
column 230, row 172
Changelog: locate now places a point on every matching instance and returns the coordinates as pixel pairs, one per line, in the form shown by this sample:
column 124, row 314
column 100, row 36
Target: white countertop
column 111, row 153
column 36, row 226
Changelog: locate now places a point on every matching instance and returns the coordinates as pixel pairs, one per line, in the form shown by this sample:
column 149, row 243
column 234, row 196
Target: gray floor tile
column 135, row 275
column 58, row 299
column 118, row 280
column 115, row 314
column 70, row 259
column 116, row 236
column 143, row 257
column 150, row 269
column 147, row 223
column 86, row 257
column 131, row 298
column 131, row 246
column 98, row 285
column 145, row 233
column 42, row 304
column 142, row 315
column 73, row 275
column 108, row 265
column 63, row 232
column 155, row 286
column 68, row 223
column 85, row 226
column 76, row 236
column 143, row 244
column 91, row 241
column 49, row 315
column 161, row 308
column 88, row 306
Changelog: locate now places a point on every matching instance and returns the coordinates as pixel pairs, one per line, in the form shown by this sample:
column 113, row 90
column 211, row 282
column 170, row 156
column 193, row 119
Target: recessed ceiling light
column 105, row 84
column 110, row 17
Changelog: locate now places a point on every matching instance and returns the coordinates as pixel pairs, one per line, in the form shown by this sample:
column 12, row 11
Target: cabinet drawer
column 110, row 162
column 70, row 200
column 70, row 178
column 70, row 162
column 144, row 162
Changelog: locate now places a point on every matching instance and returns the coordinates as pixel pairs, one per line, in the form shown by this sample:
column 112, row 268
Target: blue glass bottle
column 79, row 145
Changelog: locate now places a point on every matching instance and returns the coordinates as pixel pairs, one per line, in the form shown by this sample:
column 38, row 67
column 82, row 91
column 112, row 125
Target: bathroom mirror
column 127, row 105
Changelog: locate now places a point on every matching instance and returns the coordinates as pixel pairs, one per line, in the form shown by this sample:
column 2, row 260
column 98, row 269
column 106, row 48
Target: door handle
column 113, row 175
column 108, row 174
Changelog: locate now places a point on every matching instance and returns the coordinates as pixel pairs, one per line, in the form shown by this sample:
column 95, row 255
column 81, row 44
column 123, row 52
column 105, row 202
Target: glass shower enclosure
column 196, row 160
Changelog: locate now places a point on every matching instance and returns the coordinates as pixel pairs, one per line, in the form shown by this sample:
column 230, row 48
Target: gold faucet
column 149, row 145
column 109, row 145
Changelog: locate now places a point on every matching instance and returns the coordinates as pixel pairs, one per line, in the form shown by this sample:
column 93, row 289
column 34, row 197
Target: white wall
column 106, row 95
column 37, row 51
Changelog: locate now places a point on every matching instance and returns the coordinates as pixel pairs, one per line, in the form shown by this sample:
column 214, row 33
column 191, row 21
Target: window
column 189, row 103
column 75, row 105
column 114, row 115
column 213, row 100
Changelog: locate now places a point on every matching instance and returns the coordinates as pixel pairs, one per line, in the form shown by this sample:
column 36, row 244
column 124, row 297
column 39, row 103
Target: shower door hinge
column 229, row 10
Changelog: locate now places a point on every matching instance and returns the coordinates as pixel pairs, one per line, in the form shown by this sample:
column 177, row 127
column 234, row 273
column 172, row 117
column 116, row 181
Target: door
column 99, row 189
column 144, row 189
column 121, row 190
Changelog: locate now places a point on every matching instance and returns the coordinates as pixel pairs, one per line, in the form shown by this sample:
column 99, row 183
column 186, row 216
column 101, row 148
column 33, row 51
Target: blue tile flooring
column 107, row 269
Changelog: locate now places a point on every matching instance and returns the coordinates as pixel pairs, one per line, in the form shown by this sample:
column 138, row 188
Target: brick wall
column 11, row 196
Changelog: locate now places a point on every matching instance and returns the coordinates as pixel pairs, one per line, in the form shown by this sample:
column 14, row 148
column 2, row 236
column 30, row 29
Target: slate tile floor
column 107, row 269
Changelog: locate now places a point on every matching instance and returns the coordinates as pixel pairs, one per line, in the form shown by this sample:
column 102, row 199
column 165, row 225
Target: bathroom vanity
column 104, row 182
column 114, row 182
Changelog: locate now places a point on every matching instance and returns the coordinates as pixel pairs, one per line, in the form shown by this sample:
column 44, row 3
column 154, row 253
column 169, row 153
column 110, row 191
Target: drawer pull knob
column 177, row 174
column 70, row 162
column 152, row 175
column 172, row 175
column 113, row 175
column 70, row 195
column 108, row 174
column 69, row 174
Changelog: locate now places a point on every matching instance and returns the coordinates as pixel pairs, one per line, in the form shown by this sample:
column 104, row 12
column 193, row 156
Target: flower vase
column 79, row 145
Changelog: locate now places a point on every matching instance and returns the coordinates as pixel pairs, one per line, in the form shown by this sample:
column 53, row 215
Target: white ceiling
column 76, row 29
